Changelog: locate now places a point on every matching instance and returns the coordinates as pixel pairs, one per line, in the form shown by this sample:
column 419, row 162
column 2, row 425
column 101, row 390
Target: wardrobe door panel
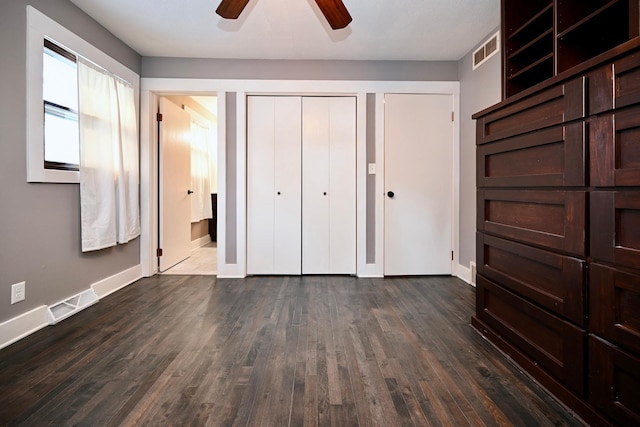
column 273, row 185
column 315, row 187
column 260, row 184
column 329, row 185
column 288, row 187
column 342, row 185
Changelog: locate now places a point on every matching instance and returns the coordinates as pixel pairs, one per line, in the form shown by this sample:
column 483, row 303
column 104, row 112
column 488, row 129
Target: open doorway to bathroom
column 187, row 233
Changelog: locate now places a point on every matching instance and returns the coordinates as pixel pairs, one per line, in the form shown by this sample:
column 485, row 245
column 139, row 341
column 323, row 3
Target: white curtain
column 109, row 210
column 201, row 197
column 127, row 171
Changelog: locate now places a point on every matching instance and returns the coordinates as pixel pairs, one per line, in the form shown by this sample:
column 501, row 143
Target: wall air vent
column 486, row 50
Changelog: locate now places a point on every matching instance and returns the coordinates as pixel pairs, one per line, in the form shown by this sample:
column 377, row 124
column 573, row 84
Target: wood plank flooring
column 271, row 351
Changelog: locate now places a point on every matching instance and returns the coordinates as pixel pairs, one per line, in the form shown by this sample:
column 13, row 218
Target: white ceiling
column 296, row 29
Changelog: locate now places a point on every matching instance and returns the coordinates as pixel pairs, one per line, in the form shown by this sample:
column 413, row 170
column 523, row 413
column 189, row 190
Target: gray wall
column 479, row 88
column 299, row 70
column 40, row 223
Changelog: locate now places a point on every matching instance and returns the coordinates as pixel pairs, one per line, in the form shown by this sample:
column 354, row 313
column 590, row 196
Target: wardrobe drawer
column 614, row 381
column 615, row 85
column 553, row 106
column 550, row 157
column 553, row 219
column 615, row 227
column 615, row 306
column 554, row 281
column 554, row 344
column 615, row 149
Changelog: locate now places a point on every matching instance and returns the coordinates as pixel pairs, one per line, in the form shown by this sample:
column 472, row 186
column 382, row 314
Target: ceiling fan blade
column 335, row 12
column 231, row 9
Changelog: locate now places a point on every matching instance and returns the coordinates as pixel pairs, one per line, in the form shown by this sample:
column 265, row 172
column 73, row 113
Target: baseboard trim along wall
column 464, row 273
column 200, row 242
column 118, row 281
column 32, row 321
column 25, row 324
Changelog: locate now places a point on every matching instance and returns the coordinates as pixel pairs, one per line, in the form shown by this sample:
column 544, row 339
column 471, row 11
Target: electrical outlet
column 18, row 292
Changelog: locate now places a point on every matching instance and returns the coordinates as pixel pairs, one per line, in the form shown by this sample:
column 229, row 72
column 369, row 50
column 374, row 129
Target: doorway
column 187, row 190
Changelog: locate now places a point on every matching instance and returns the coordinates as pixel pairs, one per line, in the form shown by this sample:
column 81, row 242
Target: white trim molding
column 200, row 242
column 27, row 323
column 23, row 325
column 118, row 281
column 463, row 273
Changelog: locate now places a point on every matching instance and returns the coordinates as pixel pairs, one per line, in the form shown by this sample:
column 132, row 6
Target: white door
column 329, row 185
column 273, row 185
column 175, row 179
column 418, row 184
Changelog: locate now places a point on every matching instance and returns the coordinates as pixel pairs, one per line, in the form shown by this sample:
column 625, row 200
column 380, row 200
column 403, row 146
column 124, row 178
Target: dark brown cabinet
column 556, row 282
column 545, row 38
column 558, row 219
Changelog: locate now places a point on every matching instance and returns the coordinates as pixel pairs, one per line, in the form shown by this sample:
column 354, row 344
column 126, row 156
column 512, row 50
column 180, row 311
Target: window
column 60, row 96
column 53, row 98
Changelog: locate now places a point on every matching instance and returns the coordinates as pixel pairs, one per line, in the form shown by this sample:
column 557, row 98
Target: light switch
column 372, row 168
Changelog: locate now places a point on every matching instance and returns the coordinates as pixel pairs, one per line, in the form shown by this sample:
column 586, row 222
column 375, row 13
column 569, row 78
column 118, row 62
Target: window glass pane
column 61, row 135
column 60, row 80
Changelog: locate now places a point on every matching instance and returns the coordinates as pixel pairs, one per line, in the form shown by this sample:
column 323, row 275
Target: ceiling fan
column 334, row 11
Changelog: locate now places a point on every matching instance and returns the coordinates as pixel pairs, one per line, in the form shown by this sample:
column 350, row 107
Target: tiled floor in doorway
column 202, row 261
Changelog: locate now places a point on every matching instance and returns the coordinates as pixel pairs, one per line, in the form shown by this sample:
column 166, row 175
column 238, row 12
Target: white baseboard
column 369, row 271
column 25, row 324
column 230, row 271
column 118, row 281
column 464, row 273
column 370, row 276
column 198, row 243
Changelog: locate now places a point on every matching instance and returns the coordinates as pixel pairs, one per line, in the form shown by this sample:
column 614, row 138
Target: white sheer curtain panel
column 127, row 169
column 98, row 131
column 109, row 195
column 201, row 197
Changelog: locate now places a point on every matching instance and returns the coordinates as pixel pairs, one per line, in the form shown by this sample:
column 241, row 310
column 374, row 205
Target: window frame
column 39, row 28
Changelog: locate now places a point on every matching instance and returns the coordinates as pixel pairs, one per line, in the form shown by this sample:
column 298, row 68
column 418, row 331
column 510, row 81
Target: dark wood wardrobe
column 558, row 220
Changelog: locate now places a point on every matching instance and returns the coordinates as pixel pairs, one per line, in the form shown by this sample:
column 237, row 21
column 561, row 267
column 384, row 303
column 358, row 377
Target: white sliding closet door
column 273, row 185
column 328, row 185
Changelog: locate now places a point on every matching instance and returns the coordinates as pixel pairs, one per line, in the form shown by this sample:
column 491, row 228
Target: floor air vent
column 71, row 306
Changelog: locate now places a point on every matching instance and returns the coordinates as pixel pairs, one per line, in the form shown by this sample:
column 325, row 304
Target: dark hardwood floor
column 271, row 351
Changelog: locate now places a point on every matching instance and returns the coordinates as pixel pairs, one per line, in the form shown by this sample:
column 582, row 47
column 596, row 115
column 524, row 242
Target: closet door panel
column 315, row 187
column 273, row 185
column 342, row 185
column 260, row 184
column 287, row 173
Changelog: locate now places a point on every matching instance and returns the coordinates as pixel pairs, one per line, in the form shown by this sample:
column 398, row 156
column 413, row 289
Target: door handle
column 391, row 194
column 189, row 192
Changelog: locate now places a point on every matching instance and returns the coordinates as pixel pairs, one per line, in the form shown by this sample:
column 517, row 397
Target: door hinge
column 451, row 255
column 159, row 117
column 159, row 252
column 452, row 116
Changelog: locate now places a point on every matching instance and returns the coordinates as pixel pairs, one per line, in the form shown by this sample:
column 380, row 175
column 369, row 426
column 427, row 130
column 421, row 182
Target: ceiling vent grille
column 486, row 50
